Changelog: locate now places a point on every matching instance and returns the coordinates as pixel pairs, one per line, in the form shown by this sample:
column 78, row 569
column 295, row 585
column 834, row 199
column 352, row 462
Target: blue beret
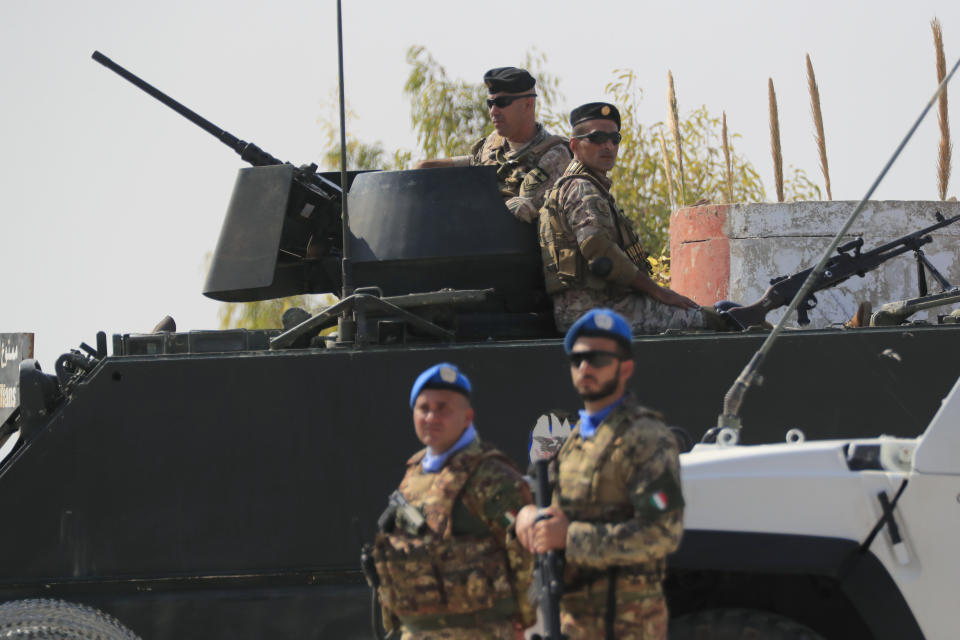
column 604, row 323
column 440, row 376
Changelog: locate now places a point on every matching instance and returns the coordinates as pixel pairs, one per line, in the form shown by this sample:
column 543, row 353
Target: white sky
column 110, row 201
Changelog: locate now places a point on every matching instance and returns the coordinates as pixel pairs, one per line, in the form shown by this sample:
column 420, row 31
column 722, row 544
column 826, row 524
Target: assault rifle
column 548, row 566
column 849, row 262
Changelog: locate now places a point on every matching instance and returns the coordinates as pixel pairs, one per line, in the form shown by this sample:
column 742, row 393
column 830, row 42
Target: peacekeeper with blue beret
column 592, row 256
column 617, row 506
column 448, row 560
column 529, row 159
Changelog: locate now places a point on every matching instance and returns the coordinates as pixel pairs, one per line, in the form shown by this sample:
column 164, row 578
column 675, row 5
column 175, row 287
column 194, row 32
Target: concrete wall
column 732, row 251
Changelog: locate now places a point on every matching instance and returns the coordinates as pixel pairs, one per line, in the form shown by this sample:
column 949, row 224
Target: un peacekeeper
column 529, row 159
column 618, row 508
column 581, row 226
column 460, row 572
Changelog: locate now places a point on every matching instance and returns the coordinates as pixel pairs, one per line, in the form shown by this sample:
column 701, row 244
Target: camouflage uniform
column 621, row 491
column 526, row 174
column 580, row 222
column 467, row 576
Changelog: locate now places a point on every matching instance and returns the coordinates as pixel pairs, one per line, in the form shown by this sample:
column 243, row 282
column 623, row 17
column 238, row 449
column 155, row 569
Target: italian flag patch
column 659, row 500
column 510, row 517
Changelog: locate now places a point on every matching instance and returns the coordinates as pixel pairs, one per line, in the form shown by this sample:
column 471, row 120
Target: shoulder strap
column 548, row 143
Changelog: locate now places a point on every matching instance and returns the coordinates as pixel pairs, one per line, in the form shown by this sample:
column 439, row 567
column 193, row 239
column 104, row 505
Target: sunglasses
column 599, row 137
column 505, row 101
column 595, row 359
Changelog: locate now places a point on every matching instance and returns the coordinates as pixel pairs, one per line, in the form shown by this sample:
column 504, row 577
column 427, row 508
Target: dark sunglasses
column 505, row 101
column 595, row 359
column 599, row 137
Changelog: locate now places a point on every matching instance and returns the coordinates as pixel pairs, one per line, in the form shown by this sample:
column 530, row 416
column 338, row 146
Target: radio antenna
column 345, row 330
column 728, row 423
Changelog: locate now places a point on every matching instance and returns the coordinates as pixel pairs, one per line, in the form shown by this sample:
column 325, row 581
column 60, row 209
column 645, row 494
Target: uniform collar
column 589, row 422
column 577, row 167
column 540, row 134
column 433, row 463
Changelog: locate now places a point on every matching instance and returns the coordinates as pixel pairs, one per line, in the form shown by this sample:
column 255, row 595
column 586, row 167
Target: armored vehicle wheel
column 59, row 620
column 733, row 624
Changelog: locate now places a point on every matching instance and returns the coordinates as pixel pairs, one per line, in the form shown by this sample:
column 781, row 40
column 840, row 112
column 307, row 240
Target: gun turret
column 283, row 227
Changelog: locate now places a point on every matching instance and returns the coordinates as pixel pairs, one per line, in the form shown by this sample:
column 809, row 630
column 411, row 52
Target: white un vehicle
column 828, row 539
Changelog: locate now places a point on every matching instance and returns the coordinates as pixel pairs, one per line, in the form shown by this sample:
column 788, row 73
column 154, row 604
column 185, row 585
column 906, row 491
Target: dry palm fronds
column 946, row 149
column 775, row 141
column 818, row 125
column 668, row 169
column 673, row 120
column 726, row 160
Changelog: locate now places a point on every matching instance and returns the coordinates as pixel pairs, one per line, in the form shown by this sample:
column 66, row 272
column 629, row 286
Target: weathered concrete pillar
column 732, row 251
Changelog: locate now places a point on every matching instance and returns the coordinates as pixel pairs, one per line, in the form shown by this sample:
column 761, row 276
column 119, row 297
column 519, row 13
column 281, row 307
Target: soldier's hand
column 550, row 533
column 674, row 299
column 524, row 526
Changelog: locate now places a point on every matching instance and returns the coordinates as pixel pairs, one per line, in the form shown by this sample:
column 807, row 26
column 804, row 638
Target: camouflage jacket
column 579, row 223
column 468, row 563
column 621, row 491
column 526, row 174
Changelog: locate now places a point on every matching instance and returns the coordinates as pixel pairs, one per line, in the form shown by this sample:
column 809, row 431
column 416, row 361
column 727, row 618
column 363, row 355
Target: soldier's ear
column 574, row 143
column 626, row 369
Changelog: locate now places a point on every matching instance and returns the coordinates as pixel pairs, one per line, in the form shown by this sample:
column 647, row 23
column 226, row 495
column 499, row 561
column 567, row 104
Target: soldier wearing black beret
column 592, row 256
column 529, row 159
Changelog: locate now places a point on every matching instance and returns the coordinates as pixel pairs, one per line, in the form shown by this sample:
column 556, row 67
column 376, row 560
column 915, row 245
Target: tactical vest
column 436, row 574
column 587, row 490
column 563, row 264
column 511, row 171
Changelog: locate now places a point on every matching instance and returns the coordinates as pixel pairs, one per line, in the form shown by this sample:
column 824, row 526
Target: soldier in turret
column 448, row 561
column 617, row 507
column 529, row 159
column 592, row 257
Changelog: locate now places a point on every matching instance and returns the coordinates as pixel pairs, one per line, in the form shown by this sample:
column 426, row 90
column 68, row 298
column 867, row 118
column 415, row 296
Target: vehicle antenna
column 728, row 423
column 345, row 329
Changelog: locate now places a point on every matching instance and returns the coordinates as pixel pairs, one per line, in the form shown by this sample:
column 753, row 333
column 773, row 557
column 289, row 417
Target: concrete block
column 733, row 251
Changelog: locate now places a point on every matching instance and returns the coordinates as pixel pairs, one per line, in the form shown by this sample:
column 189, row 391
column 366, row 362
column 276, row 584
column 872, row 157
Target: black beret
column 508, row 80
column 594, row 111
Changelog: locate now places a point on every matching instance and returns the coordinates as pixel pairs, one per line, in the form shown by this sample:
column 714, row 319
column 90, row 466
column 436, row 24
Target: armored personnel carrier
column 218, row 484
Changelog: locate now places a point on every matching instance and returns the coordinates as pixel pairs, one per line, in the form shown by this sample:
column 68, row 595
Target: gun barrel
column 917, row 238
column 248, row 151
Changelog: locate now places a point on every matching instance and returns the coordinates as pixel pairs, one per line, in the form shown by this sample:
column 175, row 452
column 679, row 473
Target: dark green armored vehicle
column 218, row 484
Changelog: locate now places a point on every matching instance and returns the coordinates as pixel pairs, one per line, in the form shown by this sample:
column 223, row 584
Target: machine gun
column 849, row 262
column 312, row 208
column 548, row 566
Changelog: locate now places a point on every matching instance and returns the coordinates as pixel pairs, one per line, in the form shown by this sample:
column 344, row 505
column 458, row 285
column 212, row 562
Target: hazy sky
column 110, row 201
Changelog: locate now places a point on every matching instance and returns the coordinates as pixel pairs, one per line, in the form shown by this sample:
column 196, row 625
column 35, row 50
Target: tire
column 738, row 624
column 58, row 620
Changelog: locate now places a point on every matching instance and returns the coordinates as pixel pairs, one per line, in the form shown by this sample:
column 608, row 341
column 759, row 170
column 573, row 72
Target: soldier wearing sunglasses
column 592, row 257
column 617, row 506
column 529, row 159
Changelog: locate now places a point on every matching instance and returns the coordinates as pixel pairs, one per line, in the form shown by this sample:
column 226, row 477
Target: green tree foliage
column 640, row 183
